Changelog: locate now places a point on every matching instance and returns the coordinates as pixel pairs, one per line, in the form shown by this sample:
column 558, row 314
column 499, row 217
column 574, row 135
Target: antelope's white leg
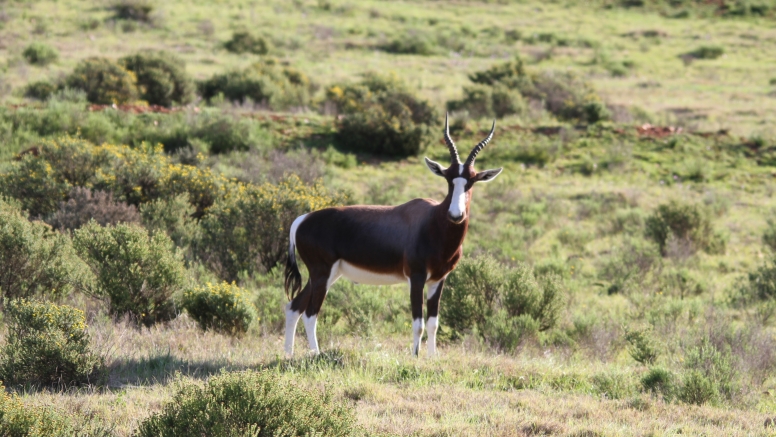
column 417, row 333
column 292, row 318
column 431, row 326
column 309, row 327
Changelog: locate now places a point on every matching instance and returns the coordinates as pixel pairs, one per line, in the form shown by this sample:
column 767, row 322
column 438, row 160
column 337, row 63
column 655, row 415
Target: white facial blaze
column 458, row 203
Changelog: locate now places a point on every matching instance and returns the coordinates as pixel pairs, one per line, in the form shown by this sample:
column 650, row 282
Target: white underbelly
column 361, row 276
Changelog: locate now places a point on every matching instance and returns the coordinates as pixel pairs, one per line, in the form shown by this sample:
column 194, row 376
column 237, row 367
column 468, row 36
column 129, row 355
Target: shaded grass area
column 467, row 391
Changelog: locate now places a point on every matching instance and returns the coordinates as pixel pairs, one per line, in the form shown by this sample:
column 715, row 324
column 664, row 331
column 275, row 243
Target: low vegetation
column 618, row 278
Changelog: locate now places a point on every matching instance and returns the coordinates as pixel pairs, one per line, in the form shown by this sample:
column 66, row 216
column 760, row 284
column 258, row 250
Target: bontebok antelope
column 418, row 242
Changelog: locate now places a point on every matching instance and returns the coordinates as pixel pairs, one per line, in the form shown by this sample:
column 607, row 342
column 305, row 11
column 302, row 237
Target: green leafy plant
column 35, row 260
column 643, row 347
column 104, row 81
column 161, row 78
column 688, row 226
column 222, row 307
column 249, row 403
column 136, row 272
column 39, row 53
column 247, row 231
column 47, row 345
column 381, row 116
column 707, row 52
column 40, row 90
column 698, row 389
column 661, row 382
column 504, row 305
column 265, row 82
column 245, row 42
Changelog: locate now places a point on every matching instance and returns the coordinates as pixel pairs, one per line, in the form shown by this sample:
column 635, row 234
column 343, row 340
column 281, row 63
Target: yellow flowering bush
column 224, row 307
column 104, row 81
column 18, row 419
column 247, row 231
column 47, row 345
column 135, row 175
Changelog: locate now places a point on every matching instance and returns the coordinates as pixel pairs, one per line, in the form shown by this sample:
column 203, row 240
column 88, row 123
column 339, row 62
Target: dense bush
column 707, row 52
column 245, row 42
column 104, row 81
column 39, row 53
column 248, row 230
column 222, row 307
column 504, row 305
column 138, row 273
column 265, row 82
column 643, row 347
column 85, row 204
column 411, row 44
column 40, row 90
column 161, row 78
column 34, row 260
column 380, row 115
column 760, row 285
column 661, row 382
column 47, row 345
column 173, row 216
column 563, row 94
column 226, row 134
column 138, row 10
column 249, row 403
column 20, row 419
column 683, row 227
column 132, row 174
column 489, row 101
column 697, row 389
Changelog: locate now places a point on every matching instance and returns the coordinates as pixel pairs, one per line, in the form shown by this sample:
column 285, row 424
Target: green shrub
column 35, row 184
column 47, row 345
column 226, row 134
column 489, row 101
column 707, row 52
column 138, row 10
column 381, row 116
column 564, row 94
column 661, row 382
column 20, row 420
column 39, row 53
column 249, row 403
column 629, row 266
column 643, row 347
column 245, row 42
column 104, row 81
column 248, row 230
column 161, row 78
column 410, row 44
column 173, row 216
column 716, row 365
column 697, row 389
column 769, row 236
column 503, row 305
column 85, row 205
column 223, row 307
column 40, row 90
column 266, row 82
column 686, row 226
column 760, row 285
column 34, row 260
column 138, row 273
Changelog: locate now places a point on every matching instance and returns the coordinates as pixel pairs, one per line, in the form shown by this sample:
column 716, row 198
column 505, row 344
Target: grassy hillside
column 654, row 336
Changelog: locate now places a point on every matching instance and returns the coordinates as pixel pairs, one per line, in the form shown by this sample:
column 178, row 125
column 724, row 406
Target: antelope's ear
column 435, row 168
column 487, row 175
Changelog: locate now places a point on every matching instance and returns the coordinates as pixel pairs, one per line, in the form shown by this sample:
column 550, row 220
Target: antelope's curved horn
column 451, row 145
column 480, row 146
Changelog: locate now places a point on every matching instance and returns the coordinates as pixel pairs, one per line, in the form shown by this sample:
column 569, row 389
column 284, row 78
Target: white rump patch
column 362, row 276
column 294, row 226
column 458, row 202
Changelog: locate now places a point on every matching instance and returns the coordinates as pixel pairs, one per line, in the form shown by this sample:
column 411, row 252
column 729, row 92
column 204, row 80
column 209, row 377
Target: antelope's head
column 461, row 177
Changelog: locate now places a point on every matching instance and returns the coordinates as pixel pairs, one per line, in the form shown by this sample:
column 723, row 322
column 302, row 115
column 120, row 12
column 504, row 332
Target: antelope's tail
column 293, row 279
